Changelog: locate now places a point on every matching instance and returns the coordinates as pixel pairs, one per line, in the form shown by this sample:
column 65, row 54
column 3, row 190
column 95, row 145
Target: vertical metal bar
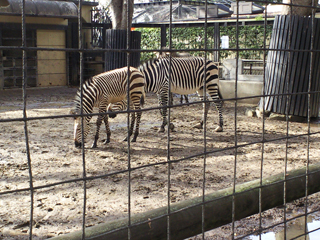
column 312, row 55
column 25, row 117
column 82, row 119
column 168, row 129
column 204, row 119
column 128, row 116
column 235, row 123
column 316, row 84
column 263, row 119
column 280, row 103
column 216, row 42
column 270, row 71
column 295, row 63
column 288, row 76
column 163, row 36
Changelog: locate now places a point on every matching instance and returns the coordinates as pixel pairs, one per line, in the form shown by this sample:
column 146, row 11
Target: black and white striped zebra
column 103, row 89
column 187, row 77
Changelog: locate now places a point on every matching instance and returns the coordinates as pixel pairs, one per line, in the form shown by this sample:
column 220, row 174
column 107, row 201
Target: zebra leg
column 106, row 123
column 171, row 98
column 131, row 127
column 206, row 110
column 98, row 123
column 214, row 93
column 163, row 101
column 219, row 108
column 186, row 98
column 136, row 133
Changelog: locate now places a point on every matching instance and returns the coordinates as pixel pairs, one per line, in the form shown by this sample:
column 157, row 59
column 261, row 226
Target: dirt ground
column 58, row 209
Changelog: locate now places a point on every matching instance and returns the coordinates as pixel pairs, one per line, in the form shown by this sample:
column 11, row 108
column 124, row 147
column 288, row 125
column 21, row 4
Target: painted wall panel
column 51, row 64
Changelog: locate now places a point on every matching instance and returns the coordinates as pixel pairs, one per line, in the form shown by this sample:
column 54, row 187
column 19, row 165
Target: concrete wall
column 244, row 89
column 247, row 85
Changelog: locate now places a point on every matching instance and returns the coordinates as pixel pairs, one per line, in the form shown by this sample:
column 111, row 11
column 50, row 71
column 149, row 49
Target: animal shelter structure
column 49, row 24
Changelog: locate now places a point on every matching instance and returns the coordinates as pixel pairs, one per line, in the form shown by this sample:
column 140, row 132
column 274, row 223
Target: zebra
column 187, row 77
column 103, row 89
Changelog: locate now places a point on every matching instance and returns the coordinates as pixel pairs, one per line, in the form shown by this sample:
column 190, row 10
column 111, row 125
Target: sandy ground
column 58, row 209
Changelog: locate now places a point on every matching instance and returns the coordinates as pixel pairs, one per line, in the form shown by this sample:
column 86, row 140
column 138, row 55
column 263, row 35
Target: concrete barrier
column 245, row 89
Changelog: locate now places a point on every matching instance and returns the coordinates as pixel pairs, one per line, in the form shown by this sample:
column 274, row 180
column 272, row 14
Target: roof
column 41, row 8
column 156, row 12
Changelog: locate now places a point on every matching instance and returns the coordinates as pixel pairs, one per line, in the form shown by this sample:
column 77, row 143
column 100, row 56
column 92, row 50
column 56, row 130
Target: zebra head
column 77, row 130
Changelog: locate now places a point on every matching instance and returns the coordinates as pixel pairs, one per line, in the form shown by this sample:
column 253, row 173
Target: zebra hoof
column 106, row 141
column 133, row 140
column 198, row 126
column 94, row 145
column 161, row 129
column 171, row 126
column 112, row 114
column 125, row 139
column 218, row 129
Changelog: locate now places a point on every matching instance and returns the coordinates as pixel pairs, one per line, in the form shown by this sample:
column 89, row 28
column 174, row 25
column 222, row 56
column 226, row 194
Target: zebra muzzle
column 112, row 115
column 77, row 144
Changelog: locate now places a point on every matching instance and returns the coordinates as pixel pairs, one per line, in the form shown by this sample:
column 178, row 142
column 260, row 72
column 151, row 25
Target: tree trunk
column 298, row 10
column 120, row 19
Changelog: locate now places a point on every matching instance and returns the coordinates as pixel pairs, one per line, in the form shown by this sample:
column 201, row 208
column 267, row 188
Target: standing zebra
column 103, row 89
column 187, row 77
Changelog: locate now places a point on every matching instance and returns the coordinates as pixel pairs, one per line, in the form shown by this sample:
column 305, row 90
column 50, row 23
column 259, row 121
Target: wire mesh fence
column 258, row 179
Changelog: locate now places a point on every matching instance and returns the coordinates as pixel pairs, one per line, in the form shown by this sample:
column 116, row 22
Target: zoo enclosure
column 200, row 208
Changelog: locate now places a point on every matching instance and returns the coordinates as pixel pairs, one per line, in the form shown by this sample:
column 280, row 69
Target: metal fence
column 258, row 179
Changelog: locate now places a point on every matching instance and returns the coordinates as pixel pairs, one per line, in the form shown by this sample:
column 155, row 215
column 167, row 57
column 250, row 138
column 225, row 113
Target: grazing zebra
column 187, row 77
column 103, row 89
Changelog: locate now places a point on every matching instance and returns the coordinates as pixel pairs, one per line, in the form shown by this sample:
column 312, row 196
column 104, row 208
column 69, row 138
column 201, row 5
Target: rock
column 251, row 113
column 291, row 118
column 197, row 126
column 259, row 113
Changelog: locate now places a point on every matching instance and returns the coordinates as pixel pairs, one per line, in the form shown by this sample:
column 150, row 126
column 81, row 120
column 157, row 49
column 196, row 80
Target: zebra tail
column 220, row 97
column 142, row 100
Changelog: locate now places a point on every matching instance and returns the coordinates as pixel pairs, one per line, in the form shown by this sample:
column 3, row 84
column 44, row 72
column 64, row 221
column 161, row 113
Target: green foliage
column 193, row 38
column 250, row 37
column 150, row 40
